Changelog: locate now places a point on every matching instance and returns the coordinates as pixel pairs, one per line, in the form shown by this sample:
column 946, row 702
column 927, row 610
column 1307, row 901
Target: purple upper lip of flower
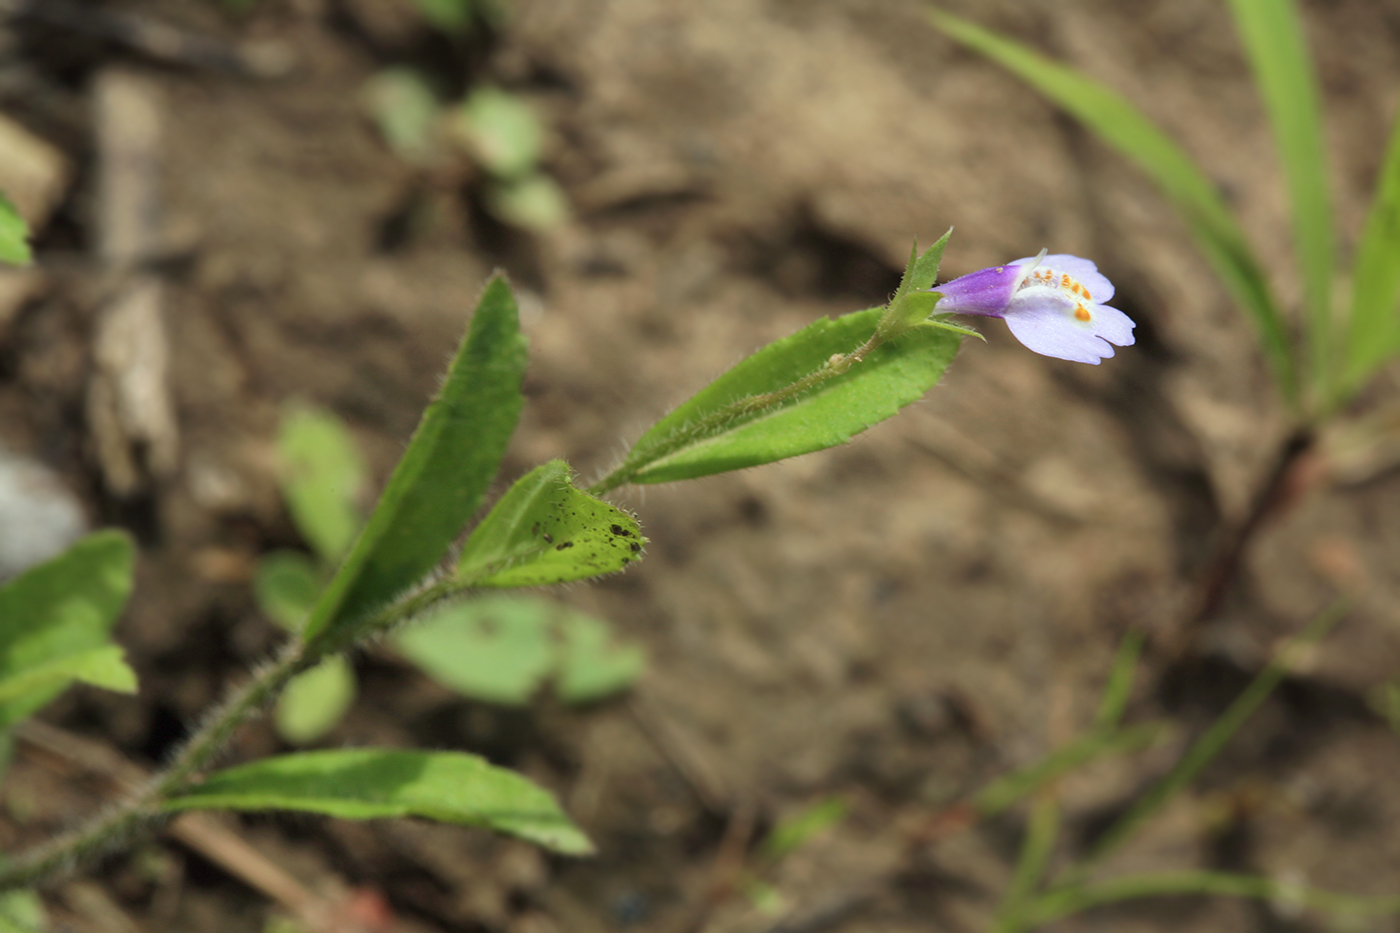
column 1053, row 304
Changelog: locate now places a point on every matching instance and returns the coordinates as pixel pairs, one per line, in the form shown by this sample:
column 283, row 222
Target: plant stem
column 108, row 829
column 105, row 831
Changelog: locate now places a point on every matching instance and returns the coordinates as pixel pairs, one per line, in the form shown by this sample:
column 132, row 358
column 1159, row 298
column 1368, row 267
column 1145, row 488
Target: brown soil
column 895, row 622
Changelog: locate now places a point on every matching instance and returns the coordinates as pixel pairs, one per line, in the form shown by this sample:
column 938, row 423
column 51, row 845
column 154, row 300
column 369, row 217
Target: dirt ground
column 895, row 622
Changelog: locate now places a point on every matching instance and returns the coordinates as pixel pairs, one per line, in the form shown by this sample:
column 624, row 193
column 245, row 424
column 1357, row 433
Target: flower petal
column 1113, row 325
column 1043, row 320
column 1084, row 270
column 986, row 291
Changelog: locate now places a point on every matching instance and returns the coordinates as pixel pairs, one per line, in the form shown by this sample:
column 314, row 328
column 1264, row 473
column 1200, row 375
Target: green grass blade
column 1374, row 334
column 1011, row 788
column 1036, row 849
column 1272, row 35
column 1122, row 126
column 1119, row 688
column 1063, row 902
column 444, row 473
column 1204, row 750
column 362, row 784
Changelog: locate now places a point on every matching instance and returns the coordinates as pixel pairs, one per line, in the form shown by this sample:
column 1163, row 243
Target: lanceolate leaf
column 444, row 473
column 545, row 531
column 1273, row 38
column 360, row 784
column 1375, row 309
column 59, row 615
column 722, row 429
column 1122, row 126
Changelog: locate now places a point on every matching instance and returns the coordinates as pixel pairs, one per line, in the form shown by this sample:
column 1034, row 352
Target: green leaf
column 447, row 15
column 500, row 131
column 1010, row 789
column 22, row 912
column 322, row 476
column 796, row 831
column 286, row 586
column 360, row 784
column 14, row 235
column 315, row 700
column 502, row 649
column 1375, row 296
column 405, row 109
column 1119, row 688
column 63, row 609
column 1204, row 750
column 444, row 473
column 1038, row 845
column 921, row 273
column 496, row 648
column 1273, row 38
column 545, row 531
column 1122, row 126
column 913, row 302
column 535, row 202
column 731, row 424
column 104, row 667
column 1065, row 901
column 592, row 664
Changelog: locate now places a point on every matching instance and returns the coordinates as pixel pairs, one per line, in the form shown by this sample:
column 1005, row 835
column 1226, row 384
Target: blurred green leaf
column 1273, row 38
column 1010, row 789
column 405, row 109
column 1122, row 126
column 1038, row 845
column 1065, row 901
column 14, row 235
column 444, row 473
column 729, row 426
column 359, row 784
column 104, row 667
column 1205, row 748
column 500, row 131
column 21, row 911
column 448, row 15
column 498, row 649
column 286, row 586
column 322, row 477
column 796, row 831
column 593, row 664
column 534, row 202
column 545, row 531
column 315, row 700
column 63, row 609
column 1375, row 298
column 502, row 649
column 1119, row 688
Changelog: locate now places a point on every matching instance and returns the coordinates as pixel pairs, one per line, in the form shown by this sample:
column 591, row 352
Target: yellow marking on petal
column 1082, row 313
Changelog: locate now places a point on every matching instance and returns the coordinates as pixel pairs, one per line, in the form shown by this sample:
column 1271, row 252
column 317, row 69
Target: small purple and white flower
column 1053, row 304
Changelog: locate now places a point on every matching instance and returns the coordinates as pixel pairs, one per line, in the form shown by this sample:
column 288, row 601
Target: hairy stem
column 143, row 810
